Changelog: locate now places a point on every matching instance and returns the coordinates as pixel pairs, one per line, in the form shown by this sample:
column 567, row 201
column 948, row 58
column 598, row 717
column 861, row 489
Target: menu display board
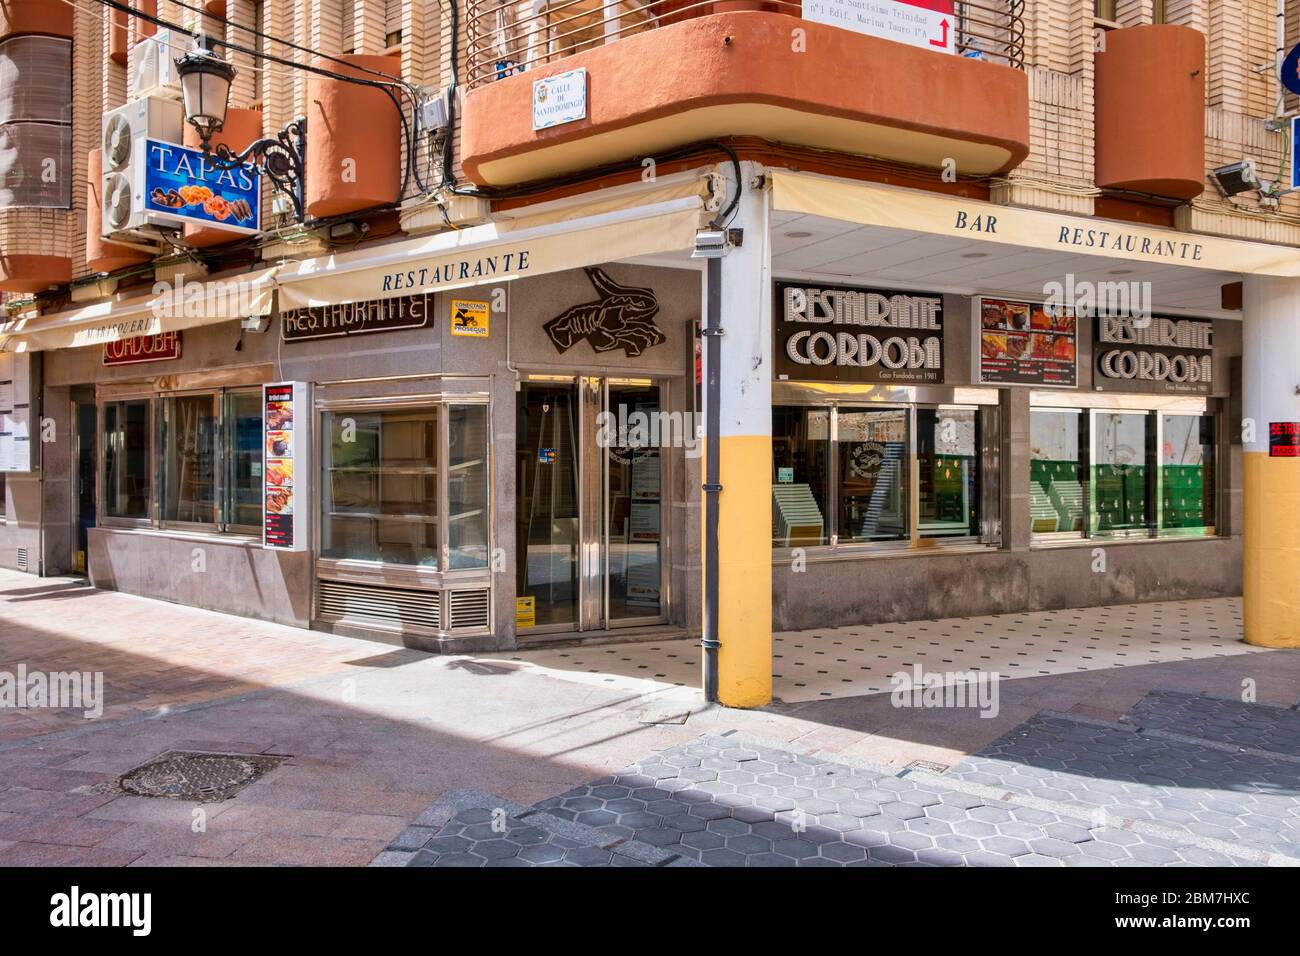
column 1022, row 343
column 286, row 425
column 15, row 412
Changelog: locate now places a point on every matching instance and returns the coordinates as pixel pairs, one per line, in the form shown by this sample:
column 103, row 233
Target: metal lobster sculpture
column 621, row 318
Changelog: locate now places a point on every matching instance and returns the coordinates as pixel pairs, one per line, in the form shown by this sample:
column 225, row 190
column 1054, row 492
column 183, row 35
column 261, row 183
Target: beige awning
column 182, row 305
column 497, row 251
column 914, row 211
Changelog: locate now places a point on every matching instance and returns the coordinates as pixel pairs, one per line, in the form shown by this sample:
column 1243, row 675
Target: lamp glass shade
column 205, row 89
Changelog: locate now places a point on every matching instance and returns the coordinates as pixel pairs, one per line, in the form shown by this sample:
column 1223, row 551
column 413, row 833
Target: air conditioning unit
column 154, row 71
column 125, row 131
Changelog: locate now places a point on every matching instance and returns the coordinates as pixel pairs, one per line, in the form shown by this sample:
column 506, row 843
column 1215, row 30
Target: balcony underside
column 736, row 74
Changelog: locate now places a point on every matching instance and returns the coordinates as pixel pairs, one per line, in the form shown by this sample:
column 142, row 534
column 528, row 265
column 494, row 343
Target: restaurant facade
column 701, row 331
column 520, row 459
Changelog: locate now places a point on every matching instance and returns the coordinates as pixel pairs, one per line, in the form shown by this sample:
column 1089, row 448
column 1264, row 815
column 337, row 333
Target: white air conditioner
column 125, row 131
column 154, row 70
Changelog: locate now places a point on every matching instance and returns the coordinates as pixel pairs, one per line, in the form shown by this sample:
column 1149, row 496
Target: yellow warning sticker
column 469, row 317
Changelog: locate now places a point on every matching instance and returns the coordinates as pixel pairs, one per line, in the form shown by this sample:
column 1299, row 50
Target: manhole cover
column 203, row 777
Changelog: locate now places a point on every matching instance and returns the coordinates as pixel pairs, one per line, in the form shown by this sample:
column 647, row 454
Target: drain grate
column 933, row 766
column 201, row 777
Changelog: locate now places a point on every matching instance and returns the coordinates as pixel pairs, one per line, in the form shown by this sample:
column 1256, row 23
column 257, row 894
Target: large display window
column 855, row 476
column 1112, row 473
column 190, row 461
column 406, row 485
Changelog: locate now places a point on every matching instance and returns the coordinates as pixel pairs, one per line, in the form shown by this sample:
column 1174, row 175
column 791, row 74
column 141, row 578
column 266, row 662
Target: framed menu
column 1023, row 343
column 16, row 400
column 286, row 464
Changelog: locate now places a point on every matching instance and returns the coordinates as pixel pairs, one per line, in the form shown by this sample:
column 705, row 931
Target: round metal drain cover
column 203, row 777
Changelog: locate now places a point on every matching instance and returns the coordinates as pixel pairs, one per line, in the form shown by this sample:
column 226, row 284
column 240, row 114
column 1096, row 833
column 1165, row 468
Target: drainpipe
column 712, row 333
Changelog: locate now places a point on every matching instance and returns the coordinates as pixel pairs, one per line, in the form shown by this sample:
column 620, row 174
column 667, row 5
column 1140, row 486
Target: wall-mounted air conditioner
column 154, row 70
column 125, row 131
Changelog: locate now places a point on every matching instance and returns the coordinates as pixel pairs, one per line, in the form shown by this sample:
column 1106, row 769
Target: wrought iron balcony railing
column 507, row 37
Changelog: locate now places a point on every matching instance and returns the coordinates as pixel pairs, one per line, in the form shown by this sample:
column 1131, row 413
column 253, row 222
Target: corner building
column 949, row 307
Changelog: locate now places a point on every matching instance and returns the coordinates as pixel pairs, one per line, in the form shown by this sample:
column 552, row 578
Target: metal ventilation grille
column 469, row 609
column 22, row 559
column 370, row 604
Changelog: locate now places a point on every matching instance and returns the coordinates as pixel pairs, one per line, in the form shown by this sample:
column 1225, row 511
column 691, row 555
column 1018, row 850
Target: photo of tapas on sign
column 279, row 486
column 1019, row 332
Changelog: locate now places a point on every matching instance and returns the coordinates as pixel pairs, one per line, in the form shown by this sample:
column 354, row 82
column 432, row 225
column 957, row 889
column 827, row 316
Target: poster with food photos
column 1025, row 343
column 285, row 429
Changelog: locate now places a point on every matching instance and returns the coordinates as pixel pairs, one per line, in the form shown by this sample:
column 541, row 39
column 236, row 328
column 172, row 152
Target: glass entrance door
column 83, row 491
column 589, row 507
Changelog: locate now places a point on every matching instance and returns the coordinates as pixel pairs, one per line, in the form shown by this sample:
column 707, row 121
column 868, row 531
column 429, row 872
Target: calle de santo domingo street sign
column 560, row 99
column 928, row 24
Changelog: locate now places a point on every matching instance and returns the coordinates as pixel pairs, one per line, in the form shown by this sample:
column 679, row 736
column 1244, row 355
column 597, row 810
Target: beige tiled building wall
column 1060, row 36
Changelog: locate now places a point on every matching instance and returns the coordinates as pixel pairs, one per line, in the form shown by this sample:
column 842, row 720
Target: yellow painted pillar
column 744, row 608
column 1271, row 487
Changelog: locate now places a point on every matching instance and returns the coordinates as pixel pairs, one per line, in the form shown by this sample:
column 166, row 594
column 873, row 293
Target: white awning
column 494, row 252
column 953, row 217
column 183, row 305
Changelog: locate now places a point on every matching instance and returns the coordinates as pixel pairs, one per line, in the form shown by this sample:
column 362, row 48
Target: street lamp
column 205, row 90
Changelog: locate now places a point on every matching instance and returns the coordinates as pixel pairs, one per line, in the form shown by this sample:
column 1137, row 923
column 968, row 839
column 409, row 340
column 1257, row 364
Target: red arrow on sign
column 944, row 41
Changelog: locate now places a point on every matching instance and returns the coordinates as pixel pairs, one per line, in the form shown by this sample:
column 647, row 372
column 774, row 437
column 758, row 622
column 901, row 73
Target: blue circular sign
column 1291, row 70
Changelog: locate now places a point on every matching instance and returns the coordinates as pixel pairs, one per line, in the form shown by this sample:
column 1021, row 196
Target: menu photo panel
column 1025, row 343
column 286, row 482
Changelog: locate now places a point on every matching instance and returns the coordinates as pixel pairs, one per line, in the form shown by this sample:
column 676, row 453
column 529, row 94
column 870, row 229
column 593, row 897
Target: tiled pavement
column 152, row 654
column 834, row 662
column 1056, row 791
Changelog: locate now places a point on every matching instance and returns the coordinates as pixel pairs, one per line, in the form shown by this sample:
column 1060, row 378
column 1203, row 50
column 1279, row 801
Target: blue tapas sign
column 181, row 184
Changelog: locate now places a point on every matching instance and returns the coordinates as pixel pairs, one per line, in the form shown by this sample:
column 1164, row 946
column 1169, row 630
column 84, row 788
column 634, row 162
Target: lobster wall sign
column 623, row 317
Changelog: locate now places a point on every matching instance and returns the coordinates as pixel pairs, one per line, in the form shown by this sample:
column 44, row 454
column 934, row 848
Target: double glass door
column 590, row 504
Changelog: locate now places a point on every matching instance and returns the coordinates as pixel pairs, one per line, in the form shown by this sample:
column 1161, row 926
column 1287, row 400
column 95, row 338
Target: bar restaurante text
column 461, row 271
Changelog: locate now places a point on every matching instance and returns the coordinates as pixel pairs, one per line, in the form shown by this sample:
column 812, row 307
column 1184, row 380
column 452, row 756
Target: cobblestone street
column 1174, row 786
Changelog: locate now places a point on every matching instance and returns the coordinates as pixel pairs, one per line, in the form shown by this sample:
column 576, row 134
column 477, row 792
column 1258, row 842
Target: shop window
column 379, row 496
column 242, row 433
column 848, row 476
column 1187, row 486
column 127, row 479
column 35, row 122
column 210, row 461
column 948, row 450
column 800, row 479
column 1058, row 443
column 1122, row 442
column 189, row 460
column 874, row 491
column 467, row 486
